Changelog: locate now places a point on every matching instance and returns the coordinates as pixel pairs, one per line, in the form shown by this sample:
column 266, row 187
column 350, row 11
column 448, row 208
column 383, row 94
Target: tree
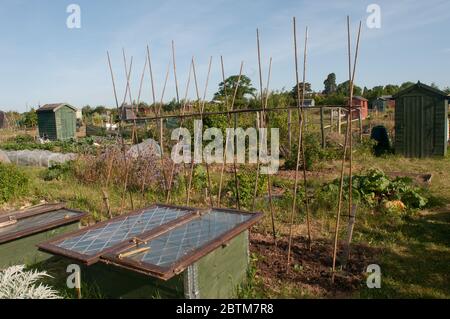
column 373, row 93
column 245, row 89
column 87, row 110
column 434, row 86
column 29, row 119
column 344, row 89
column 330, row 84
column 406, row 85
column 100, row 110
column 171, row 106
column 294, row 90
column 391, row 89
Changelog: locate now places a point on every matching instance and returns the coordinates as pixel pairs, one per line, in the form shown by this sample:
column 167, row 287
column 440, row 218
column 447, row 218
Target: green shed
column 57, row 121
column 421, row 121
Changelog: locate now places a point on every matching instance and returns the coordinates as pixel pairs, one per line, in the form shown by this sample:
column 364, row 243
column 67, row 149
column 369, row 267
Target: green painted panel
column 221, row 271
column 66, row 123
column 117, row 283
column 47, row 125
column 24, row 250
column 420, row 123
column 218, row 275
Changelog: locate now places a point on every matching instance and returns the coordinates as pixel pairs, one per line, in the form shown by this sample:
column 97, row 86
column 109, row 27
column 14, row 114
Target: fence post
column 339, row 120
column 360, row 126
column 322, row 129
column 258, row 123
column 289, row 130
column 331, row 119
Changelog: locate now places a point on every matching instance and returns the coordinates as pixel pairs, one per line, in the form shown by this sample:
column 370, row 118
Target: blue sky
column 42, row 61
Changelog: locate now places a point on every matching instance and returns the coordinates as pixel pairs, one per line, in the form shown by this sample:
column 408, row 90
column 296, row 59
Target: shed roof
column 54, row 107
column 420, row 85
column 357, row 97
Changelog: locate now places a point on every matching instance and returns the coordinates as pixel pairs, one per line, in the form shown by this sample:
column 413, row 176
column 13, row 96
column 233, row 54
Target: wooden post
column 289, row 130
column 339, row 121
column 257, row 120
column 161, row 135
column 106, row 201
column 322, row 129
column 331, row 119
column 305, row 118
column 360, row 126
column 350, row 227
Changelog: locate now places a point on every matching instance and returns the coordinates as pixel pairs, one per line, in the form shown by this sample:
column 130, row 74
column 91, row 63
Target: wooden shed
column 163, row 251
column 57, row 121
column 383, row 103
column 421, row 121
column 363, row 105
column 3, row 120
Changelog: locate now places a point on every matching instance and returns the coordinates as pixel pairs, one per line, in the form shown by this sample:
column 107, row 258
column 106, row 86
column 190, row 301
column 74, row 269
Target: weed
column 13, row 182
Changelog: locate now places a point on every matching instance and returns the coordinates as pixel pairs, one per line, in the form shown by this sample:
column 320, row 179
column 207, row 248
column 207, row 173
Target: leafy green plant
column 247, row 181
column 374, row 188
column 200, row 178
column 249, row 289
column 314, row 153
column 13, row 182
column 27, row 142
column 57, row 171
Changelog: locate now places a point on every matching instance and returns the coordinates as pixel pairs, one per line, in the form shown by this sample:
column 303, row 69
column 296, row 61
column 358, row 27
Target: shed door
column 429, row 124
column 413, row 132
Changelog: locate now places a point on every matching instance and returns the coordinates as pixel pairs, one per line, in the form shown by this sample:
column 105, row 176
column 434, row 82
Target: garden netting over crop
column 38, row 158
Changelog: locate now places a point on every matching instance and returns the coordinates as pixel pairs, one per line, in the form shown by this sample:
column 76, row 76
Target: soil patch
column 310, row 271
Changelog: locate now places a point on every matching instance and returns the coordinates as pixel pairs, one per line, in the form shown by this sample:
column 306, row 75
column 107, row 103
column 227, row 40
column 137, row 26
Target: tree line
column 247, row 96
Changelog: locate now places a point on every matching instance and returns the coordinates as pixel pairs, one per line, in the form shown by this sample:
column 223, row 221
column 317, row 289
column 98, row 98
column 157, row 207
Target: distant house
column 384, row 102
column 127, row 112
column 57, row 121
column 360, row 103
column 79, row 114
column 131, row 112
column 309, row 102
column 421, row 121
column 3, row 120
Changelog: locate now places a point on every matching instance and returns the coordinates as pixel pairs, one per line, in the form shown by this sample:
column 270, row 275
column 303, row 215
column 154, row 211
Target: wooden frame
column 51, row 246
column 110, row 255
column 166, row 273
column 39, row 210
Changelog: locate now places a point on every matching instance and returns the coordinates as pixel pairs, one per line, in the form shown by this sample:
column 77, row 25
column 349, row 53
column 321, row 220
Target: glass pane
column 93, row 241
column 37, row 221
column 178, row 242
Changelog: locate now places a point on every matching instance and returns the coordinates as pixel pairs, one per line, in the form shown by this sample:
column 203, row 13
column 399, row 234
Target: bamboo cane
column 348, row 140
column 172, row 172
column 236, row 181
column 202, row 107
column 300, row 148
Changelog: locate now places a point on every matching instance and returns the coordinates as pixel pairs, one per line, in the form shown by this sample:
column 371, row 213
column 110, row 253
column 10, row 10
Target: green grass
column 415, row 250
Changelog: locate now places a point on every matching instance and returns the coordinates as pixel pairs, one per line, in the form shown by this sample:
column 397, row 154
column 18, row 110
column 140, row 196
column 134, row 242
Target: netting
column 38, row 158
